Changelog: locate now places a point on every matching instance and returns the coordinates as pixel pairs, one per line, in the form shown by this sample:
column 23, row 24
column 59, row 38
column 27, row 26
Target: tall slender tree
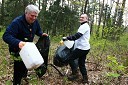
column 85, row 7
column 101, row 7
column 120, row 20
column 2, row 13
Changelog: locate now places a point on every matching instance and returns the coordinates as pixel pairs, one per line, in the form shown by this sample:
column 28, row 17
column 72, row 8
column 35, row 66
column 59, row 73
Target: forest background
column 107, row 61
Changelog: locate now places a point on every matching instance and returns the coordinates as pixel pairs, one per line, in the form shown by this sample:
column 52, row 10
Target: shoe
column 72, row 77
column 85, row 79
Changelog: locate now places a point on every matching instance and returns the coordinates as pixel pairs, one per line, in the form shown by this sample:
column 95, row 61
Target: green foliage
column 114, row 65
column 3, row 61
column 8, row 82
column 56, row 39
column 1, row 33
column 113, row 33
column 116, row 69
column 111, row 74
column 2, row 30
column 11, row 11
column 65, row 80
column 123, row 44
column 124, row 40
column 35, row 80
column 3, row 66
column 58, row 20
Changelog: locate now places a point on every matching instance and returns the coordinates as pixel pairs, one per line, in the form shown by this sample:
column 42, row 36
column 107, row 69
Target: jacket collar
column 83, row 22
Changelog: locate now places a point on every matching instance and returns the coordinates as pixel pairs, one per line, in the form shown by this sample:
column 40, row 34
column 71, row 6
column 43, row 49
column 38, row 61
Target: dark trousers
column 81, row 56
column 74, row 65
column 20, row 71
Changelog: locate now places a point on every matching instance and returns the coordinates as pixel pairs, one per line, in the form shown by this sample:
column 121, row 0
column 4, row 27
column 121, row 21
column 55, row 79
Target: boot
column 73, row 76
column 85, row 79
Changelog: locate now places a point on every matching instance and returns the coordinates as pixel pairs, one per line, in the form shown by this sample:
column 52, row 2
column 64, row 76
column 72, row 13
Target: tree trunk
column 2, row 13
column 85, row 7
column 115, row 14
column 121, row 14
column 100, row 17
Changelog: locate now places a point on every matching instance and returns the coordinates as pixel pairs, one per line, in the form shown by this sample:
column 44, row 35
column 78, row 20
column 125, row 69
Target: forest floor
column 52, row 77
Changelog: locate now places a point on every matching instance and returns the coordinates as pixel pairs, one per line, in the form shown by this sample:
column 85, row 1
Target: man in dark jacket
column 22, row 29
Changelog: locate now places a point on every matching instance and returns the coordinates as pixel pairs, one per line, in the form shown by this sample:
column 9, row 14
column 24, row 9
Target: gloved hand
column 64, row 39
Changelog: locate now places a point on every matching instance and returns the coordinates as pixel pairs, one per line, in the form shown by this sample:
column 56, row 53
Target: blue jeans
column 79, row 56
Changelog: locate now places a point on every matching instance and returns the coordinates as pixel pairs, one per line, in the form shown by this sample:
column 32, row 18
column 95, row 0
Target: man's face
column 83, row 18
column 31, row 17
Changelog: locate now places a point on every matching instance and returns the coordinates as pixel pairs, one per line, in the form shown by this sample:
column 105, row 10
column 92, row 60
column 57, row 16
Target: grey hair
column 32, row 8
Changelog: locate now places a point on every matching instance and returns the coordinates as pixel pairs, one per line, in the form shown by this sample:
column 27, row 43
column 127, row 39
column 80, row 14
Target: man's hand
column 21, row 44
column 44, row 34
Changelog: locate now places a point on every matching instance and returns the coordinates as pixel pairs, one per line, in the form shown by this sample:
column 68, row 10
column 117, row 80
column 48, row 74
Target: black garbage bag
column 43, row 45
column 61, row 56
